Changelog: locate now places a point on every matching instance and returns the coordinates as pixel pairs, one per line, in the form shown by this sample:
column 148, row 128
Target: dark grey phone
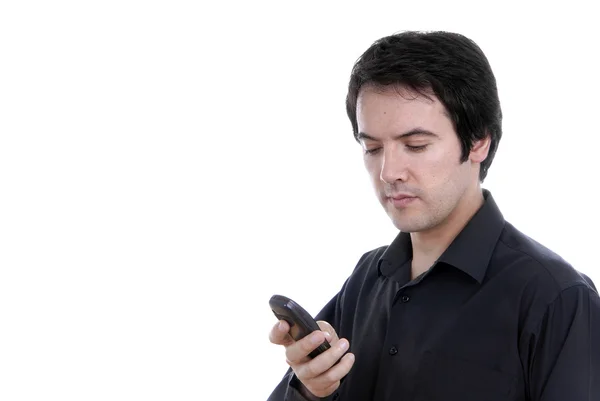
column 300, row 321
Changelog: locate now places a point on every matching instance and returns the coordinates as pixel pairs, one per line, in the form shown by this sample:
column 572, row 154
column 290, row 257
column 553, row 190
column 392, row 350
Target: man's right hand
column 321, row 376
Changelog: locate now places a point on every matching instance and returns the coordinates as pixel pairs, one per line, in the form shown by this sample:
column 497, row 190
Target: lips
column 401, row 200
column 401, row 196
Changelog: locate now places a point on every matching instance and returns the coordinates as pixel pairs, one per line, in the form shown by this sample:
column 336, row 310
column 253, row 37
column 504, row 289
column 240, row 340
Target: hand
column 321, row 376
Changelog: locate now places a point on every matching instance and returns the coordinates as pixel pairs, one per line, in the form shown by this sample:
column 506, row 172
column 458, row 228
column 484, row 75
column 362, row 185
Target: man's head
column 425, row 108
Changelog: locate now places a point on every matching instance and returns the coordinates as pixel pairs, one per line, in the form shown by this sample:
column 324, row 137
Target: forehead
column 389, row 109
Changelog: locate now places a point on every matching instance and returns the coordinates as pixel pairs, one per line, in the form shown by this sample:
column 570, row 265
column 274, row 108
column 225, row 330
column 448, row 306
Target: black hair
column 448, row 64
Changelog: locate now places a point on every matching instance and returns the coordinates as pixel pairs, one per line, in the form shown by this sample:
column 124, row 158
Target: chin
column 407, row 228
column 410, row 225
column 405, row 225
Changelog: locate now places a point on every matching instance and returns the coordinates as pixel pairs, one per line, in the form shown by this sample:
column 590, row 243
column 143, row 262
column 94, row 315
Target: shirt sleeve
column 287, row 389
column 564, row 350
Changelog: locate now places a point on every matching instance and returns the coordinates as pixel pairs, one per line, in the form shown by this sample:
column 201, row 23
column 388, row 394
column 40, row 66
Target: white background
column 165, row 167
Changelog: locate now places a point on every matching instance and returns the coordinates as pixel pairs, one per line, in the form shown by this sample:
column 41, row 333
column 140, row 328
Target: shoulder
column 366, row 270
column 370, row 259
column 539, row 276
column 539, row 262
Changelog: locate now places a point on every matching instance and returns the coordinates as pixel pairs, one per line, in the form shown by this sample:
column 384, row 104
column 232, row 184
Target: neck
column 429, row 245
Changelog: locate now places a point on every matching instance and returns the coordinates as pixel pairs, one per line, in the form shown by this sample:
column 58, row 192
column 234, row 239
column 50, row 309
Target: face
column 412, row 154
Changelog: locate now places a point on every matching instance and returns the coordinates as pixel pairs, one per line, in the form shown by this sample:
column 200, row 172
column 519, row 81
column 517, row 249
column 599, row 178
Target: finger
column 332, row 376
column 298, row 351
column 330, row 335
column 279, row 334
column 323, row 362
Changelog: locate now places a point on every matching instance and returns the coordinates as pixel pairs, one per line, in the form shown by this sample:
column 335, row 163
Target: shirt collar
column 470, row 251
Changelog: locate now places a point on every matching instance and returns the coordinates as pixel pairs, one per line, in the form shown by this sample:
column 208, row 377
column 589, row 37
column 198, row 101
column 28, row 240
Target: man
column 461, row 305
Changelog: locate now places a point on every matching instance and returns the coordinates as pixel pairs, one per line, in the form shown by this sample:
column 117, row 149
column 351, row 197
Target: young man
column 461, row 305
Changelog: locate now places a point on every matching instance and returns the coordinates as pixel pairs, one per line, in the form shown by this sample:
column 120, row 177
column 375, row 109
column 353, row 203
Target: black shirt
column 498, row 317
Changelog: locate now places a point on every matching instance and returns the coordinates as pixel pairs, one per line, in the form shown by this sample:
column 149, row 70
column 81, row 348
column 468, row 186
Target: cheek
column 431, row 168
column 439, row 170
column 373, row 168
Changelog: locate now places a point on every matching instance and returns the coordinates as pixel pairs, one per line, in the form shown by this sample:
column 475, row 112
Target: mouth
column 400, row 201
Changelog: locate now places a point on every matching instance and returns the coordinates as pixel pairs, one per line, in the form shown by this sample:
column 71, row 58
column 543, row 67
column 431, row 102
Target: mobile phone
column 300, row 321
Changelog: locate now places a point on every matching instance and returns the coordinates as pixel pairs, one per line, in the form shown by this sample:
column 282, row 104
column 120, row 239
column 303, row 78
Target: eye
column 372, row 151
column 419, row 148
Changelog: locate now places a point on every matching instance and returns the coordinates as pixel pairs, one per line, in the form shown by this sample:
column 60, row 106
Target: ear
column 480, row 149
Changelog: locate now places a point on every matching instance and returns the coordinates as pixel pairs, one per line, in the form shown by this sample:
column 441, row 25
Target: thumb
column 328, row 329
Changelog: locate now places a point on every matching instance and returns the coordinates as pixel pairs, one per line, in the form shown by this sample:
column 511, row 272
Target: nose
column 393, row 167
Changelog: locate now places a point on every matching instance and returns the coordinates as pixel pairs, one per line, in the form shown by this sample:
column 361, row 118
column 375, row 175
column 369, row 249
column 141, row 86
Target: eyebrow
column 412, row 132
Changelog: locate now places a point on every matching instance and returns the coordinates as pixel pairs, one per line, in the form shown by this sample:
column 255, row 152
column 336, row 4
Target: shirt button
column 393, row 351
column 405, row 298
